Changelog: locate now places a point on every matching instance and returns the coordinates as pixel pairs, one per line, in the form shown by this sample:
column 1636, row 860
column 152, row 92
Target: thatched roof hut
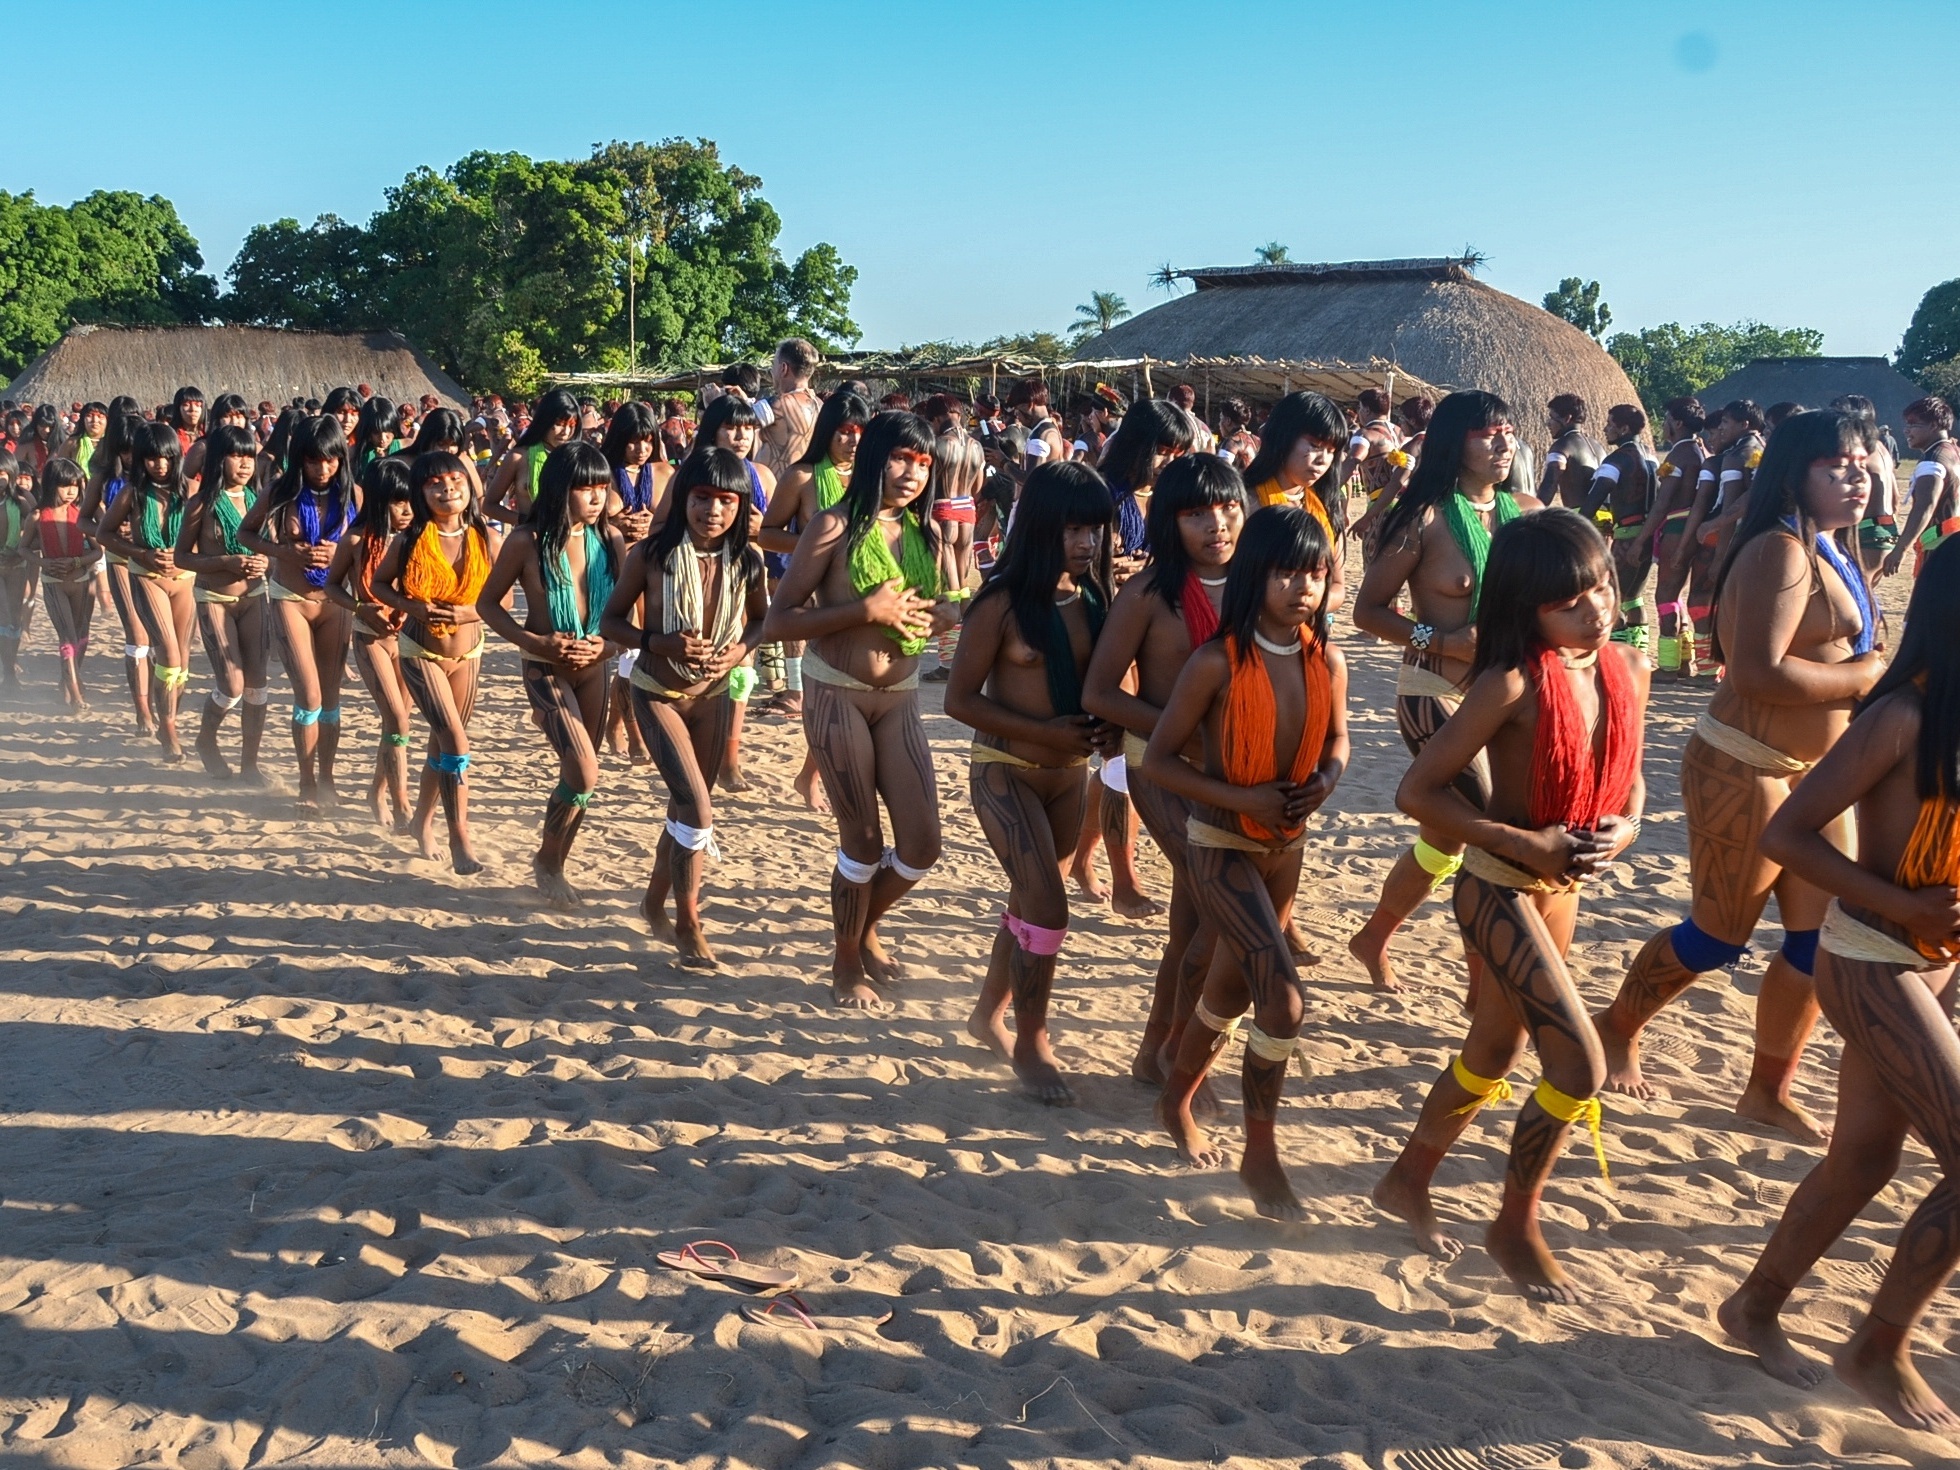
column 1431, row 318
column 262, row 363
column 1815, row 381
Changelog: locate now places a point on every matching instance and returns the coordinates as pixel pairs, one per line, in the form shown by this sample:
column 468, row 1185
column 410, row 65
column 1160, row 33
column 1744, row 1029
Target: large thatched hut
column 1432, row 318
column 1815, row 381
column 262, row 363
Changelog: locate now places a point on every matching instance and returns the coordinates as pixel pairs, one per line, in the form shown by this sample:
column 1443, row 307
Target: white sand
column 318, row 1155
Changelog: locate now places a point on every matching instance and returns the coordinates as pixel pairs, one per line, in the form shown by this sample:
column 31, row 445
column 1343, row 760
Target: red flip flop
column 729, row 1266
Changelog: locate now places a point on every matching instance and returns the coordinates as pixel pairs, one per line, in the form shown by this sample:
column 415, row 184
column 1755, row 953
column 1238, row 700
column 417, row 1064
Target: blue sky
column 986, row 167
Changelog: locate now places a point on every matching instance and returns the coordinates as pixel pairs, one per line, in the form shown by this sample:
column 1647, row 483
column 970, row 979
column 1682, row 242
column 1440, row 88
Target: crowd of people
column 1134, row 612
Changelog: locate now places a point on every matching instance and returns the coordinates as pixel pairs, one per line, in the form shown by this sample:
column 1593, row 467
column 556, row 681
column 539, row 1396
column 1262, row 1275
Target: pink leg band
column 1033, row 938
column 67, row 650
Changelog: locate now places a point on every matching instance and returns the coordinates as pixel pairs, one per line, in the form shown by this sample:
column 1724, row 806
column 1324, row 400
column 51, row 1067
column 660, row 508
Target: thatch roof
column 1432, row 319
column 261, row 363
column 1815, row 381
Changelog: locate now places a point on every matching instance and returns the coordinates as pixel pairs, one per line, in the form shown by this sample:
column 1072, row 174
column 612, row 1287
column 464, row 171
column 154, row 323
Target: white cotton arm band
column 764, row 414
column 1706, row 477
column 1608, row 472
column 1928, row 469
column 1037, row 449
column 1359, row 441
column 1731, row 477
column 1554, row 460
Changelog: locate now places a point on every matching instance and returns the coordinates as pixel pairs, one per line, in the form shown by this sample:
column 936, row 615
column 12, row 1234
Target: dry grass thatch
column 1430, row 318
column 261, row 363
column 1815, row 381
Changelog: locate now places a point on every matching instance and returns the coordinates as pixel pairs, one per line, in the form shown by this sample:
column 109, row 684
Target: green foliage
column 1578, row 302
column 1934, row 335
column 1103, row 310
column 1942, row 379
column 504, row 267
column 1271, row 253
column 1671, row 360
column 112, row 257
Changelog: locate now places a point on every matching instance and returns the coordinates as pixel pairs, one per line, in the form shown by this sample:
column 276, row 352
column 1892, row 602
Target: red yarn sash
column 1250, row 714
column 1568, row 786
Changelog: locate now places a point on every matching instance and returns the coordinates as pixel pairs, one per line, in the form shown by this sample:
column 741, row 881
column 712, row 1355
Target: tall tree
column 1671, row 360
column 1578, row 302
column 1934, row 335
column 315, row 278
column 1103, row 310
column 1271, row 253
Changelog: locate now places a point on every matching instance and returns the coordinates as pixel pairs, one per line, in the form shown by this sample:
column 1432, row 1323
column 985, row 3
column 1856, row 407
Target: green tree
column 1271, row 253
column 40, row 261
column 1934, row 335
column 1578, row 302
column 1671, row 360
column 1942, row 379
column 1103, row 310
column 315, row 278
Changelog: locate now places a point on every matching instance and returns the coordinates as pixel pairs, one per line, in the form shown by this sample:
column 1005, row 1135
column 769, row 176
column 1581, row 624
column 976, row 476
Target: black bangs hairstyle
column 1030, row 568
column 841, row 408
column 1300, row 416
column 1277, row 538
column 631, row 421
column 1187, row 484
column 441, row 428
column 1435, row 474
column 724, row 412
column 46, row 424
column 111, row 457
column 384, row 485
column 720, row 470
column 121, row 404
column 1548, row 556
column 554, row 408
column 569, row 467
column 1931, row 617
column 1153, row 425
column 341, row 398
column 316, row 439
column 378, row 416
column 427, row 467
column 1776, row 494
column 895, row 429
column 230, row 403
column 157, row 441
column 220, row 444
column 181, row 400
column 279, row 443
column 55, row 474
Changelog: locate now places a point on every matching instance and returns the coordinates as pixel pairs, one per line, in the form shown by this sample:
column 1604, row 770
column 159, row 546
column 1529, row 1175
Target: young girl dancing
column 229, row 598
column 432, row 574
column 1268, row 692
column 151, row 512
column 567, row 560
column 1885, row 980
column 701, row 589
column 16, row 513
column 67, row 557
column 1558, row 709
column 640, row 479
column 387, row 506
column 1017, row 680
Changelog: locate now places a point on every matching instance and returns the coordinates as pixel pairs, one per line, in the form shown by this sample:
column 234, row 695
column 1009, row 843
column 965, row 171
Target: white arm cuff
column 1554, row 460
column 1608, row 472
column 1731, row 477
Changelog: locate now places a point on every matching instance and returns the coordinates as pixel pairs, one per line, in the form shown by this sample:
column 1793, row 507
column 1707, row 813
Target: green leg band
column 570, row 797
column 402, row 740
column 1438, row 865
column 741, row 684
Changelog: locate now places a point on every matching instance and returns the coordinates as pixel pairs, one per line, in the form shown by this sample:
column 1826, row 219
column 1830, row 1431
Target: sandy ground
column 316, row 1154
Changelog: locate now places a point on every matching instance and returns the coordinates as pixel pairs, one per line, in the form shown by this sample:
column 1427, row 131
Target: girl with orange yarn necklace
column 432, row 575
column 1269, row 692
column 1558, row 710
column 1885, row 980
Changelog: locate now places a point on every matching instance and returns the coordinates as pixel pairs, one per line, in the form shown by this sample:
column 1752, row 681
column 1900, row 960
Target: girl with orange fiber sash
column 432, row 574
column 1558, row 709
column 1885, row 982
column 1269, row 693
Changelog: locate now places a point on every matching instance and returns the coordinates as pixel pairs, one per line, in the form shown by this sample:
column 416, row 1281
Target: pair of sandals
column 786, row 1309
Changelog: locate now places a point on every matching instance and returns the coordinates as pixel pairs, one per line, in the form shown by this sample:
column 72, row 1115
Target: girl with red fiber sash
column 1558, row 710
column 1268, row 695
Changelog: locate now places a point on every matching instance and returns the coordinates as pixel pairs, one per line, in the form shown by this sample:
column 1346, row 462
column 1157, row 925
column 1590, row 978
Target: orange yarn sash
column 1250, row 714
column 1932, row 860
column 1567, row 786
column 428, row 576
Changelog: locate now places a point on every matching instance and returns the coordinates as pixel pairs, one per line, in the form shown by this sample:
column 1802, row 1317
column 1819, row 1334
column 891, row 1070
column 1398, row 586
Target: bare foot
column 1407, row 1200
column 809, row 786
column 251, row 775
column 425, row 841
column 1187, row 1137
column 733, row 781
column 990, row 1030
column 880, row 966
column 850, row 990
column 553, row 888
column 1134, row 904
column 1302, row 950
column 213, row 758
column 1876, row 1363
column 640, row 756
column 1147, row 1065
column 1521, row 1253
column 1754, row 1321
column 658, row 924
column 462, row 859
column 1759, row 1106
column 1381, row 974
column 329, row 795
column 1272, row 1194
column 692, row 946
column 1083, row 875
column 1042, row 1081
column 1623, row 1074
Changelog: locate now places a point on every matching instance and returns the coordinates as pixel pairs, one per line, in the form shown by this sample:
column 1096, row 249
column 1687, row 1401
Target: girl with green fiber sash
column 1433, row 544
column 863, row 588
column 230, row 599
column 700, row 593
column 567, row 560
column 520, row 474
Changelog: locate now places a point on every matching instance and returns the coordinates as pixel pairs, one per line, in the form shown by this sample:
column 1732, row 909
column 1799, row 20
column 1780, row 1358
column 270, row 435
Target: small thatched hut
column 1815, row 381
column 262, row 363
column 1432, row 318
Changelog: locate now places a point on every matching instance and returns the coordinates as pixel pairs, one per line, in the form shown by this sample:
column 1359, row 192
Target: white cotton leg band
column 694, row 839
column 626, row 662
column 1212, row 1021
column 793, row 673
column 135, row 650
column 257, row 696
column 1116, row 775
column 904, row 870
column 226, row 702
column 1268, row 1048
column 853, row 871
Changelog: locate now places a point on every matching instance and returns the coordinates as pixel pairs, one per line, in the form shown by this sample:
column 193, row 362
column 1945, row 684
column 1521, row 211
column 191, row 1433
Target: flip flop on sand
column 729, row 1266
column 790, row 1310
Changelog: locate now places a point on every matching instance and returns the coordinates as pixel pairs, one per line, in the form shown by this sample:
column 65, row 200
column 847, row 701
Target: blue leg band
column 305, row 716
column 449, row 765
column 330, row 716
column 1702, row 952
column 1800, row 949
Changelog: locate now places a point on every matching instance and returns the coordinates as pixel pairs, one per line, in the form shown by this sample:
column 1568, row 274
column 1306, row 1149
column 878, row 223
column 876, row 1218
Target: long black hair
column 554, row 408
column 630, row 421
column 571, row 466
column 841, row 408
column 55, row 473
column 895, row 429
column 1300, row 416
column 384, row 485
column 1776, row 494
column 179, row 400
column 1150, row 427
column 316, row 438
column 227, row 404
column 1931, row 616
column 1187, row 484
column 427, row 467
column 1435, row 475
column 111, row 456
column 725, row 411
column 1551, row 556
column 1031, row 564
column 224, row 441
column 378, row 416
column 1277, row 538
column 441, row 428
column 720, row 470
column 157, row 441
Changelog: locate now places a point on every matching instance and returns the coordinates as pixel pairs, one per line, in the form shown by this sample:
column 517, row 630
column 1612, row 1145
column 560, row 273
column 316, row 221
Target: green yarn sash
column 563, row 597
column 830, row 484
column 872, row 565
column 229, row 518
column 1472, row 537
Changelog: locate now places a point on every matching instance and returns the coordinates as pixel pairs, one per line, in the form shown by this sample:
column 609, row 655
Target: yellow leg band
column 1212, row 1021
column 1584, row 1110
column 1437, row 864
column 1482, row 1089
